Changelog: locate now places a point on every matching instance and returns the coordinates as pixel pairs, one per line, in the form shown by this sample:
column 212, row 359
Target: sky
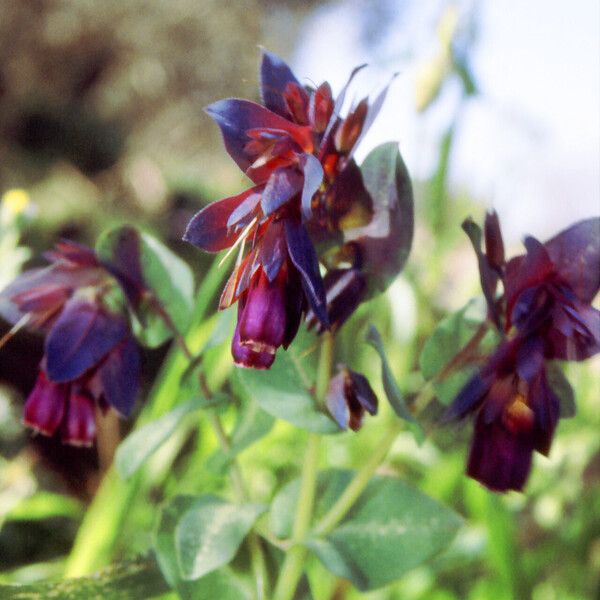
column 528, row 144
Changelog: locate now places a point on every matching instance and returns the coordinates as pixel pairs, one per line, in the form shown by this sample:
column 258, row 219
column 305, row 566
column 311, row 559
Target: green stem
column 235, row 474
column 257, row 557
column 293, row 564
column 356, row 487
column 360, row 481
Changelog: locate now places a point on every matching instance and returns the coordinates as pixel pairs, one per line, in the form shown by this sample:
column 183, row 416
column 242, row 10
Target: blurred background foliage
column 101, row 122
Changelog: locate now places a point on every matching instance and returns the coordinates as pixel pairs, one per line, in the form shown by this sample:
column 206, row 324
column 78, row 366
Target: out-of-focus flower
column 16, row 211
column 90, row 357
column 545, row 313
column 348, row 397
column 297, row 150
column 14, row 203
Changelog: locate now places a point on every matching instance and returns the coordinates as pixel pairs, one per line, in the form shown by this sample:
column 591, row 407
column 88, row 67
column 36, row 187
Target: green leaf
column 282, row 391
column 142, row 443
column 390, row 386
column 252, row 424
column 450, row 336
column 207, row 534
column 386, row 241
column 562, row 388
column 138, row 578
column 391, row 529
column 158, row 283
column 222, row 583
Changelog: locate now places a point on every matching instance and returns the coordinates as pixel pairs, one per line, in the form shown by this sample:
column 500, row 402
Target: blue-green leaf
column 391, row 529
column 390, row 386
column 283, row 391
column 142, row 443
column 209, row 533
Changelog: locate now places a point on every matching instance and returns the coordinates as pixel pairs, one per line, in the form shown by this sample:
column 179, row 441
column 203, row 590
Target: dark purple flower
column 41, row 293
column 542, row 296
column 90, row 360
column 516, row 414
column 297, row 150
column 348, row 397
column 544, row 313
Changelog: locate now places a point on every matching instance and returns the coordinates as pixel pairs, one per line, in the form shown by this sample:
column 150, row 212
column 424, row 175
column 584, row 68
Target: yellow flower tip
column 15, row 202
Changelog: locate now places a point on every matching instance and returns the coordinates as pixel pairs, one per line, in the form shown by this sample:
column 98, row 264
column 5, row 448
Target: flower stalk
column 292, row 567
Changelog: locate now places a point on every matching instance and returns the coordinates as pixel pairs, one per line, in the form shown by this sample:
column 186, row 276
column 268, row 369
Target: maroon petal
column 348, row 397
column 272, row 250
column 79, row 426
column 275, row 75
column 500, row 459
column 282, row 186
column 488, row 276
column 81, row 337
column 313, row 177
column 494, row 244
column 469, row 398
column 345, row 290
column 363, row 392
column 209, row 228
column 374, row 109
column 320, row 108
column 235, row 117
column 336, row 402
column 120, row 376
column 294, row 305
column 339, row 103
column 43, row 299
column 575, row 333
column 526, row 271
column 347, row 134
column 304, row 258
column 45, row 405
column 43, row 291
column 296, row 103
column 72, row 253
column 245, row 211
column 262, row 320
column 575, row 253
column 244, row 356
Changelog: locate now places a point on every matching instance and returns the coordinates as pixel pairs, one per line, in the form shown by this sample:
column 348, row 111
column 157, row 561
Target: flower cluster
column 91, row 359
column 544, row 314
column 297, row 151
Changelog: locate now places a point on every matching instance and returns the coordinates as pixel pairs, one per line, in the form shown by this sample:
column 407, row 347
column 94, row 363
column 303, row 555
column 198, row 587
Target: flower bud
column 349, row 396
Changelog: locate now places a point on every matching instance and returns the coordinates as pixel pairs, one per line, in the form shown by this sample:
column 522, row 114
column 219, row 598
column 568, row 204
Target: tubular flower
column 90, row 356
column 545, row 313
column 297, row 151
